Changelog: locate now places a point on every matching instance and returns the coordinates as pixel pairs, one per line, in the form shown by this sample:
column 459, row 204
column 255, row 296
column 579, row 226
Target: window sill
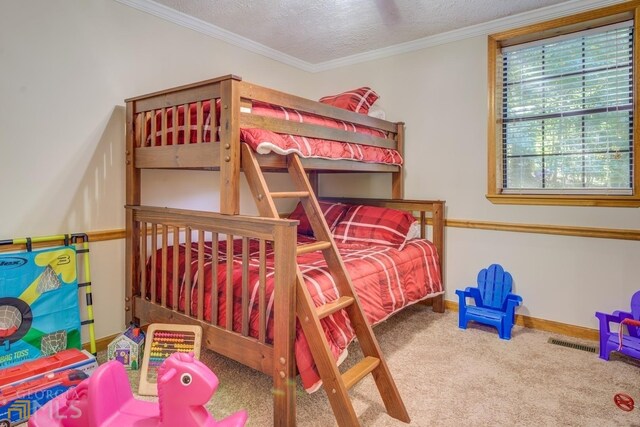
column 565, row 200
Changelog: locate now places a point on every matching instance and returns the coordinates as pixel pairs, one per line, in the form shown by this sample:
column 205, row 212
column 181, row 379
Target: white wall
column 67, row 66
column 441, row 94
column 65, row 69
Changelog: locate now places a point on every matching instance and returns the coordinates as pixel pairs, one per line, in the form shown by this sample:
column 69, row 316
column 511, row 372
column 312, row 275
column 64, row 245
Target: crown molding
column 206, row 28
column 502, row 24
column 484, row 29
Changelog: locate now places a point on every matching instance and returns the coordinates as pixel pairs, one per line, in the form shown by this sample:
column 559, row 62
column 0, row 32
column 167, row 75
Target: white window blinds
column 567, row 113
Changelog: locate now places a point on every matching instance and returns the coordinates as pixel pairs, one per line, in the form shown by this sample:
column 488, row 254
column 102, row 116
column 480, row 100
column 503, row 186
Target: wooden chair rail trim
column 632, row 201
column 562, row 230
column 94, row 236
column 101, row 343
column 546, row 325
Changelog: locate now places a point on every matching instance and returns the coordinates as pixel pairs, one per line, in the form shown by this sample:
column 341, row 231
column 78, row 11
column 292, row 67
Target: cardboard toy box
column 25, row 388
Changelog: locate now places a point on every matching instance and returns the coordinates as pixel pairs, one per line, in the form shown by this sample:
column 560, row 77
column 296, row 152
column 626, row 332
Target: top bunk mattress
column 264, row 141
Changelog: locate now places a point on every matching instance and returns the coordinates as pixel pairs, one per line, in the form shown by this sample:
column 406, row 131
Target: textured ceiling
column 317, row 31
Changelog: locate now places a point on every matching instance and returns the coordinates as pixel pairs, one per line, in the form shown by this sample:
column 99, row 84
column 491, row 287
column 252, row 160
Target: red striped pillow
column 358, row 100
column 375, row 225
column 333, row 212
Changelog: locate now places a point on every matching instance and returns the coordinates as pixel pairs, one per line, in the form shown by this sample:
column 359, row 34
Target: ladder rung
column 289, row 194
column 312, row 247
column 333, row 306
column 359, row 371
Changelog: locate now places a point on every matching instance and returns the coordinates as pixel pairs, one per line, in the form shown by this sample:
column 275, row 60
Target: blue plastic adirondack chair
column 494, row 303
column 610, row 340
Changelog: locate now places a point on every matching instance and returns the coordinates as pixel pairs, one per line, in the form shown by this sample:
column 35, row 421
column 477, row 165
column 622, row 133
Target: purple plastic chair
column 494, row 303
column 610, row 340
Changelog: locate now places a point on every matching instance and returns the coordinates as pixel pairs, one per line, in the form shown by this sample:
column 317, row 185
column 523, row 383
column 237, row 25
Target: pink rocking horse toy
column 105, row 399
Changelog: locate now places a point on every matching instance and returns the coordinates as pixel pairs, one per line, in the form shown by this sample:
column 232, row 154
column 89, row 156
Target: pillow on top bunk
column 333, row 212
column 376, row 225
column 377, row 112
column 358, row 100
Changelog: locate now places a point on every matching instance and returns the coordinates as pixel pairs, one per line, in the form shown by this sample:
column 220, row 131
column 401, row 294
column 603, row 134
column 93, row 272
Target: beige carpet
column 453, row 377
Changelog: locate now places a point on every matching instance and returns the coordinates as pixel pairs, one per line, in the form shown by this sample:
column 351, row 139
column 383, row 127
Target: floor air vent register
column 573, row 345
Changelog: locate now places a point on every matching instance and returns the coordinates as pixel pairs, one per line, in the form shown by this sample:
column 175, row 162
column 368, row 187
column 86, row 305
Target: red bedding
column 264, row 141
column 385, row 279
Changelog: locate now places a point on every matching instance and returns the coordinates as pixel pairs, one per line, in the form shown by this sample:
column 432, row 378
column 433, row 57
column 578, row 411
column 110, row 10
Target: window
column 562, row 116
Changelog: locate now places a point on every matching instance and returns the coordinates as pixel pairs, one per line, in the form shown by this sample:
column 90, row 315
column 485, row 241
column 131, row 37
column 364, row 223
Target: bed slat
column 163, row 127
column 187, row 277
column 213, row 122
column 140, row 131
column 176, row 258
column 261, row 290
column 187, row 124
column 229, row 285
column 154, row 254
column 143, row 256
column 174, row 125
column 145, row 135
column 154, row 130
column 214, row 278
column 200, row 283
column 245, row 286
column 199, row 122
column 163, row 289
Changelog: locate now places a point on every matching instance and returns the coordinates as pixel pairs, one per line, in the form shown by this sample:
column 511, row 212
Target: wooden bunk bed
column 213, row 115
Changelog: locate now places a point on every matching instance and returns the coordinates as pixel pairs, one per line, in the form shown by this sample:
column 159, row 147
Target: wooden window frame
column 556, row 27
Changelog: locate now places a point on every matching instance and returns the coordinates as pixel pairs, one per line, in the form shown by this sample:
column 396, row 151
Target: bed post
column 230, row 146
column 397, row 181
column 132, row 189
column 438, row 241
column 284, row 326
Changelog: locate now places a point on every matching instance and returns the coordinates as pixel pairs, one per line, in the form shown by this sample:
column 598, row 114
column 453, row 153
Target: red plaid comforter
column 385, row 279
column 264, row 141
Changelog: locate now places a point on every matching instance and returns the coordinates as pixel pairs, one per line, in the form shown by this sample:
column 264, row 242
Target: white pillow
column 414, row 231
column 377, row 112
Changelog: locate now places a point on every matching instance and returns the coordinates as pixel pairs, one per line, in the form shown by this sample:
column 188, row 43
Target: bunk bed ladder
column 336, row 384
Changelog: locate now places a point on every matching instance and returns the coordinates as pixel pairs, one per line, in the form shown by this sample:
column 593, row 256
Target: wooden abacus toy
column 162, row 341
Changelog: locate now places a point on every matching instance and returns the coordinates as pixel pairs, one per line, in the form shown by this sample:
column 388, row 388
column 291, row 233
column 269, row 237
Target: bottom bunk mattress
column 385, row 279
